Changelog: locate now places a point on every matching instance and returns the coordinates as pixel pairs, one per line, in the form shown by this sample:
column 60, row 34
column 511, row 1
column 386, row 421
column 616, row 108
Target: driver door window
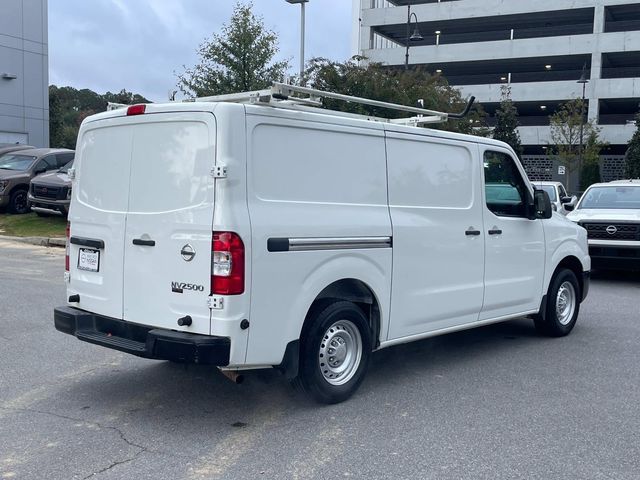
column 505, row 188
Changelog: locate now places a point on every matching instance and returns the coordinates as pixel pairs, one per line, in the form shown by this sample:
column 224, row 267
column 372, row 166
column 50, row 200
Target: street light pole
column 583, row 80
column 302, row 32
column 416, row 36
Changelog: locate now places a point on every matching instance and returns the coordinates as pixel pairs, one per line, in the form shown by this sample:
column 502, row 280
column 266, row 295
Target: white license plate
column 89, row 260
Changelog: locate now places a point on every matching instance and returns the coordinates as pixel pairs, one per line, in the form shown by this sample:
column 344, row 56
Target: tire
column 563, row 305
column 340, row 324
column 18, row 202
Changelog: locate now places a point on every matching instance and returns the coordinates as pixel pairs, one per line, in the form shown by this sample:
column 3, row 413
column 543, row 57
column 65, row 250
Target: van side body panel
column 311, row 180
column 435, row 199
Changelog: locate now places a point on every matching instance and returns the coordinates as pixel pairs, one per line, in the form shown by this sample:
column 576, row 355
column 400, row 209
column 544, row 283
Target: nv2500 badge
column 180, row 287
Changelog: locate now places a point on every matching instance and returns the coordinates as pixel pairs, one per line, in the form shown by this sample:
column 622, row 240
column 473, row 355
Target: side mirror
column 569, row 207
column 566, row 199
column 541, row 205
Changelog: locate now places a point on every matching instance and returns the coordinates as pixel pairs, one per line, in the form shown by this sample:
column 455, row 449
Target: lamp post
column 583, row 80
column 415, row 37
column 302, row 25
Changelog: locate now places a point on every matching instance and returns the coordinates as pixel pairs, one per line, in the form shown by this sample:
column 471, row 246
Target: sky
column 140, row 45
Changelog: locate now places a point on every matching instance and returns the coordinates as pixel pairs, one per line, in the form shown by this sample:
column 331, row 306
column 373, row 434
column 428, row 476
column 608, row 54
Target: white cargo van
column 273, row 234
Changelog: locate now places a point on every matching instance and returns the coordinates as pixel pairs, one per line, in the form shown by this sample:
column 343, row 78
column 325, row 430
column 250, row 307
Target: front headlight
column 3, row 185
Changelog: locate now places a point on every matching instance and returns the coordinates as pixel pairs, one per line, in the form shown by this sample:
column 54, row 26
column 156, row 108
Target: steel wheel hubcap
column 340, row 352
column 565, row 303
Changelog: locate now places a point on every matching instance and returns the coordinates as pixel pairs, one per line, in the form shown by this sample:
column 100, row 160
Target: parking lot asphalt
column 498, row 402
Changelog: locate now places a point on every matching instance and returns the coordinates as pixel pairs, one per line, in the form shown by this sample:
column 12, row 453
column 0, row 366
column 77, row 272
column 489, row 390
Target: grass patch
column 31, row 225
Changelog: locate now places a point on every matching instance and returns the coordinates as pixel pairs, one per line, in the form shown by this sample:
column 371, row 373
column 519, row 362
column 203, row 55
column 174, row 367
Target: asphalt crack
column 141, row 448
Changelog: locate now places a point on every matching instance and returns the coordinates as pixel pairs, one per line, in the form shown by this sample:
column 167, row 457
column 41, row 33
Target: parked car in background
column 18, row 168
column 610, row 212
column 12, row 147
column 50, row 193
column 560, row 200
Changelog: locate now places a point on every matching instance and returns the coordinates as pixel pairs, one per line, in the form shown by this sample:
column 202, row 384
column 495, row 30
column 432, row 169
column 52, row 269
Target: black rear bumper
column 146, row 342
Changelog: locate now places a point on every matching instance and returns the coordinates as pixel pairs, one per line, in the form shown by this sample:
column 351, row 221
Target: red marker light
column 136, row 110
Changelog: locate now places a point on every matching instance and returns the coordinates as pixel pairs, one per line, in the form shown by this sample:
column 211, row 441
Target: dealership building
column 24, row 67
column 540, row 49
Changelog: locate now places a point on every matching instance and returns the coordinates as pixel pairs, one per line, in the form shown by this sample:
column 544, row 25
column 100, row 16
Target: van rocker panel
column 142, row 341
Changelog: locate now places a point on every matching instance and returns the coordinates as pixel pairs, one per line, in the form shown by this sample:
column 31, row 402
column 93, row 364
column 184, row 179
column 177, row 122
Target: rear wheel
column 18, row 202
column 334, row 351
column 563, row 305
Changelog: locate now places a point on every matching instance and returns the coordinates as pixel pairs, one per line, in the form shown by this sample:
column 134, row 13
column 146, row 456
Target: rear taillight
column 227, row 264
column 66, row 256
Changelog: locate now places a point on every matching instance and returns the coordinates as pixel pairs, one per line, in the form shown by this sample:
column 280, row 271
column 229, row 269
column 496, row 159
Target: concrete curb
column 41, row 241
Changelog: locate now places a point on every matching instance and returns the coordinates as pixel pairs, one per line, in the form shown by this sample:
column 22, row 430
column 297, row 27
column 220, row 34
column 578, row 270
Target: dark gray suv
column 19, row 167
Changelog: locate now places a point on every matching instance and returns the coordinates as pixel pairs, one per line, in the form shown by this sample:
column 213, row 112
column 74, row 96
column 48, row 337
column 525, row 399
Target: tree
column 238, row 59
column 633, row 152
column 591, row 168
column 506, row 129
column 565, row 136
column 378, row 82
column 127, row 98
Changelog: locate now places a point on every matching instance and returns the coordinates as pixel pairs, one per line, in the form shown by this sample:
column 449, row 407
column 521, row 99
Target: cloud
column 107, row 45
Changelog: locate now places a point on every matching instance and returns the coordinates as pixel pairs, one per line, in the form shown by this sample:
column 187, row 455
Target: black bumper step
column 142, row 341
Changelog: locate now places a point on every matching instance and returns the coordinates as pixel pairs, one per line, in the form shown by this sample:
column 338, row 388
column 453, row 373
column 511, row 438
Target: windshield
column 611, row 197
column 550, row 189
column 66, row 168
column 16, row 162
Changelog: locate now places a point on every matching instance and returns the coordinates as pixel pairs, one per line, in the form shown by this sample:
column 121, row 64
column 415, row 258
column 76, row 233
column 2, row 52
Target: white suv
column 610, row 212
column 246, row 236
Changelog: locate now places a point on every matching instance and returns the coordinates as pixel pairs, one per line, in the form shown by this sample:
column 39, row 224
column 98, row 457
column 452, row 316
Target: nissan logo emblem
column 611, row 230
column 187, row 253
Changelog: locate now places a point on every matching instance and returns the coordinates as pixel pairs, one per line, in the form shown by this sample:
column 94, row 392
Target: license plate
column 89, row 260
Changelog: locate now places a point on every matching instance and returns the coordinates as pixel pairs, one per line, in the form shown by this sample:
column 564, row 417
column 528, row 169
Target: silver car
column 560, row 200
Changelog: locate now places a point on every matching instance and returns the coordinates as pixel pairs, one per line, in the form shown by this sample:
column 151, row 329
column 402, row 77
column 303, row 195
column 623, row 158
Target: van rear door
column 158, row 260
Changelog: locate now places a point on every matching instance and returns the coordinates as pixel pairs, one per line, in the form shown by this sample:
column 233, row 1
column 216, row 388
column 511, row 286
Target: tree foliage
column 633, row 152
column 506, row 129
column 69, row 106
column 239, row 59
column 377, row 82
column 565, row 137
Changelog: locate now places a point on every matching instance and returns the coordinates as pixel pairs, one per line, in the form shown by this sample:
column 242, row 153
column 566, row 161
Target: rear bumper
column 142, row 341
column 614, row 257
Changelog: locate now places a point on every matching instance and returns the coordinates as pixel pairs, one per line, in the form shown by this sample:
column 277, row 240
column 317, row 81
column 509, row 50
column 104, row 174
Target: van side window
column 505, row 188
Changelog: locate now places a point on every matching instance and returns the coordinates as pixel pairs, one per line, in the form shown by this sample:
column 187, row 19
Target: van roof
column 319, row 116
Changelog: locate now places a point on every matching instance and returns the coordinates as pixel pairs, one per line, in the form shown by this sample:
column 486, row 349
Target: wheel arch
column 349, row 289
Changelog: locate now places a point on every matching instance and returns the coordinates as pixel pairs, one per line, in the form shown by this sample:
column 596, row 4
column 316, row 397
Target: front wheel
column 563, row 305
column 334, row 351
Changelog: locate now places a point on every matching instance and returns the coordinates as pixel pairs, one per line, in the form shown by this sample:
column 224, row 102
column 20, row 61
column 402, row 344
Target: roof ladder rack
column 294, row 97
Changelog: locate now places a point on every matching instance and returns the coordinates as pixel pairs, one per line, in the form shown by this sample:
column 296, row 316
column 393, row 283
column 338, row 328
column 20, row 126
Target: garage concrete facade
column 539, row 49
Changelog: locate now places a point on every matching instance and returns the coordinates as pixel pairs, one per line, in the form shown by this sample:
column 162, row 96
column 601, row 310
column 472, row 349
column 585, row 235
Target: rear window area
column 146, row 168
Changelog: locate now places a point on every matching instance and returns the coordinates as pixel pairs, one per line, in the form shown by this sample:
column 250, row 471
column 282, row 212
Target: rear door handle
column 495, row 231
column 144, row 243
column 471, row 232
column 87, row 242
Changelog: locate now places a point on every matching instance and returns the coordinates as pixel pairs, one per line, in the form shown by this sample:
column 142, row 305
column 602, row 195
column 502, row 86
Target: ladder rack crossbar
column 286, row 90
